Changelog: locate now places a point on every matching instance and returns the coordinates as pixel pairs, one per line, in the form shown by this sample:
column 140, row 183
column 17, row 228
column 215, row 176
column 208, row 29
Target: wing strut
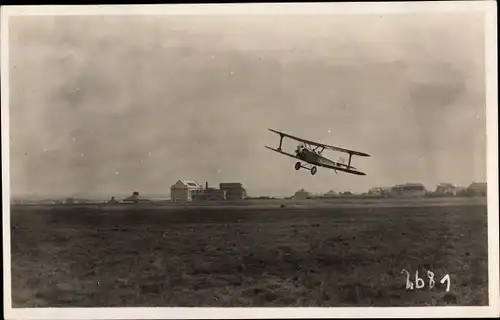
column 281, row 142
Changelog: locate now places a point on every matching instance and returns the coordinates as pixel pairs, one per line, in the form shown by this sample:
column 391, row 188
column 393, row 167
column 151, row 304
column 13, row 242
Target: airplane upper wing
column 357, row 153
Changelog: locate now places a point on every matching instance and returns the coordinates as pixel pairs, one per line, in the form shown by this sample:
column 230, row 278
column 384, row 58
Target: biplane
column 309, row 155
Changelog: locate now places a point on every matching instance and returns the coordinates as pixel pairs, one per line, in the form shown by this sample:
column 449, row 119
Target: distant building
column 301, row 195
column 460, row 191
column 408, row 190
column 345, row 193
column 329, row 194
column 386, row 192
column 233, row 190
column 182, row 190
column 112, row 201
column 314, row 196
column 260, row 198
column 446, row 189
column 376, row 191
column 208, row 194
column 478, row 189
column 135, row 198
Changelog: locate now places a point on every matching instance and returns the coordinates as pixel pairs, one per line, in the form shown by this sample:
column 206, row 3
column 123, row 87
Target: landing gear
column 299, row 165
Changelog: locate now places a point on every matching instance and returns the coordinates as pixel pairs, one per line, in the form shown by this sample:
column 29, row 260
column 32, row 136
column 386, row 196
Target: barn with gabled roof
column 182, row 190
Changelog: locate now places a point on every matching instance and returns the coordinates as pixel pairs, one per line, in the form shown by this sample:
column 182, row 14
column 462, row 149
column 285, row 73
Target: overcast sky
column 109, row 105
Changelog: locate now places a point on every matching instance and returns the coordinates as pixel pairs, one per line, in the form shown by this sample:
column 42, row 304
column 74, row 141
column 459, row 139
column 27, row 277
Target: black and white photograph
column 210, row 161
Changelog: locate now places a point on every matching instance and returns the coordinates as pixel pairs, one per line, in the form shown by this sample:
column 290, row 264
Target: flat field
column 323, row 256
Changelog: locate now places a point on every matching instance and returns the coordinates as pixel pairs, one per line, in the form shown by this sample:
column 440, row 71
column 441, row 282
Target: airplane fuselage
column 314, row 158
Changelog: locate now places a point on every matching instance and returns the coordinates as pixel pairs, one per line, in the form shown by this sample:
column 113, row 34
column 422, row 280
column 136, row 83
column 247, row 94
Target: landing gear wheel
column 313, row 170
column 297, row 166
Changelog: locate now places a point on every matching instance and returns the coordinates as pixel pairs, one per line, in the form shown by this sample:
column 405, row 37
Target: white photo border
column 486, row 7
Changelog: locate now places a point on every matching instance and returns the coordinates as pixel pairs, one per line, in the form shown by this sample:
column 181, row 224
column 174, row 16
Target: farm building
column 408, row 190
column 378, row 191
column 208, row 194
column 301, row 194
column 329, row 194
column 69, row 201
column 182, row 190
column 112, row 201
column 446, row 189
column 460, row 191
column 478, row 189
column 134, row 198
column 233, row 190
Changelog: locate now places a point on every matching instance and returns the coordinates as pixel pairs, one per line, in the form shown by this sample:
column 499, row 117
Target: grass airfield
column 257, row 253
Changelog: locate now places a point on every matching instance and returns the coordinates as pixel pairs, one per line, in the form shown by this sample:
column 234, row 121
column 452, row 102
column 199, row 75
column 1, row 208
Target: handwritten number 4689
column 419, row 282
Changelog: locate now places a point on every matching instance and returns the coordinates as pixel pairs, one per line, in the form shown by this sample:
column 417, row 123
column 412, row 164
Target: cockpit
column 300, row 152
column 299, row 149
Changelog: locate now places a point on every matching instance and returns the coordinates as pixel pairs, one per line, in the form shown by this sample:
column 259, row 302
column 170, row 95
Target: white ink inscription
column 420, row 282
column 447, row 279
column 430, row 274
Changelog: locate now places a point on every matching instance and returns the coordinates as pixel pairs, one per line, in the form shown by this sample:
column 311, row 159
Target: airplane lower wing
column 339, row 168
column 282, row 152
column 317, row 144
